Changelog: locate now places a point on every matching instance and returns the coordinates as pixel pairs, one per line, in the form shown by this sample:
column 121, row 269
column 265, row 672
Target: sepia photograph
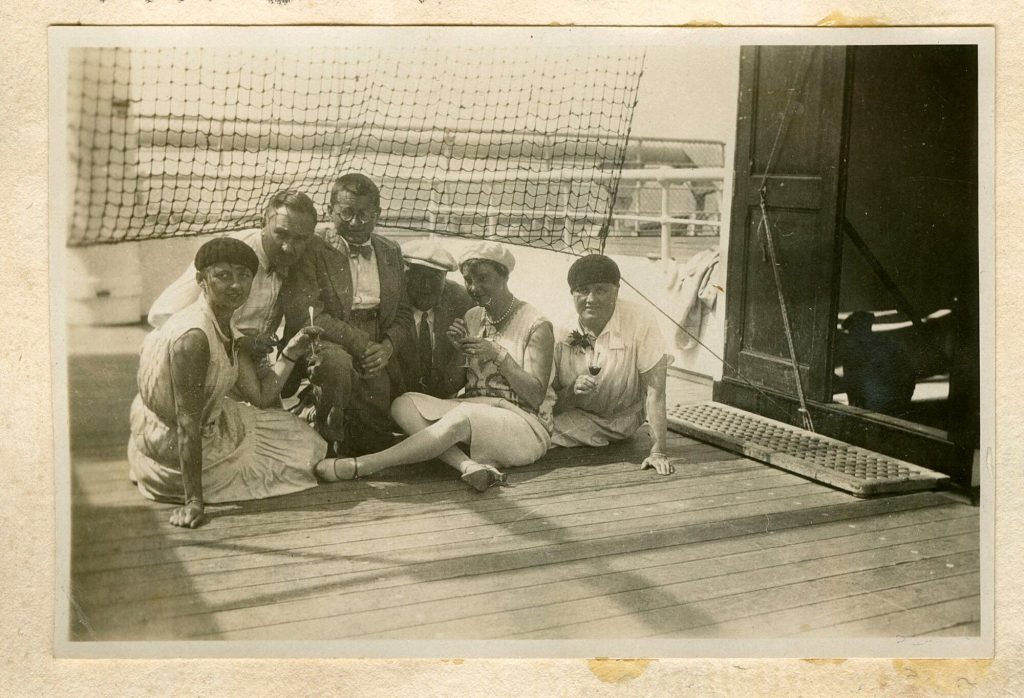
column 451, row 341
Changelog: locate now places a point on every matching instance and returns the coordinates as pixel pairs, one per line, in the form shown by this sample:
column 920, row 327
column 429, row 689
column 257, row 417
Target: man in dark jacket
column 430, row 363
column 351, row 281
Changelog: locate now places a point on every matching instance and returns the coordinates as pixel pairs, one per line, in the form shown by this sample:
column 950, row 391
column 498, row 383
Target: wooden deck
column 581, row 545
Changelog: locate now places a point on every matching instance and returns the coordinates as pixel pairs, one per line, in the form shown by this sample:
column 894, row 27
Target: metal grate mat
column 857, row 470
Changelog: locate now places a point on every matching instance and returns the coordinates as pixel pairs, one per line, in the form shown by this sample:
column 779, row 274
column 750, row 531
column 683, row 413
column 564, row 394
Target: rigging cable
column 765, row 225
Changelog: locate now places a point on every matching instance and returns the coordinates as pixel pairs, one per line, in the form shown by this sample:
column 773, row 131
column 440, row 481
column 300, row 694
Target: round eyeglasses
column 349, row 214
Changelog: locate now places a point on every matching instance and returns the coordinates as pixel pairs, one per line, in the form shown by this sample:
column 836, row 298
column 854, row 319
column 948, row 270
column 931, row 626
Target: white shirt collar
column 261, row 254
column 349, row 246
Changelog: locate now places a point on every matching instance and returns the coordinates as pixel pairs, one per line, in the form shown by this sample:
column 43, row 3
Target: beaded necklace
column 504, row 316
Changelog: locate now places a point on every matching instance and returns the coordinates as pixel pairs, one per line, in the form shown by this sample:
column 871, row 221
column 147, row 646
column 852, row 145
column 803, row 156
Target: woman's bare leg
column 425, row 441
column 405, row 414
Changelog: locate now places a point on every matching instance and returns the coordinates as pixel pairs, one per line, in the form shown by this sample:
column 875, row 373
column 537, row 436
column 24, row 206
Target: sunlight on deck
column 581, row 545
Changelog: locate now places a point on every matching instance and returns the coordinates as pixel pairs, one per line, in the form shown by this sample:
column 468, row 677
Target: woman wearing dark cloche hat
column 190, row 443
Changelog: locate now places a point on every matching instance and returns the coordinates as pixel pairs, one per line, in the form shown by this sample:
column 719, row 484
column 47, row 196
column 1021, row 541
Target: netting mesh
column 523, row 145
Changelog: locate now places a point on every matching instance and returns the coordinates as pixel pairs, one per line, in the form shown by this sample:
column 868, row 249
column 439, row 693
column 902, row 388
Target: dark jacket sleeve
column 452, row 376
column 312, row 283
column 401, row 329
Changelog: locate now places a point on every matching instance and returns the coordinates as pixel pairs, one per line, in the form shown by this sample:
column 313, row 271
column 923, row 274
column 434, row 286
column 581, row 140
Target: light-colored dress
column 630, row 344
column 248, row 453
column 506, row 431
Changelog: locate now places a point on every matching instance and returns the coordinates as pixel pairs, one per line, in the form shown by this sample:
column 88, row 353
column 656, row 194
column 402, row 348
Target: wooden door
column 790, row 142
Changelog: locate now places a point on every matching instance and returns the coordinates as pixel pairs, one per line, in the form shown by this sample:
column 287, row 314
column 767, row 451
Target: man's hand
column 188, row 516
column 375, row 358
column 584, row 385
column 658, row 461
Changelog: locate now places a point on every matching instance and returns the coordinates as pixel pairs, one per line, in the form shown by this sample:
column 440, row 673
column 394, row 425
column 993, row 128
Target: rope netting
column 524, row 145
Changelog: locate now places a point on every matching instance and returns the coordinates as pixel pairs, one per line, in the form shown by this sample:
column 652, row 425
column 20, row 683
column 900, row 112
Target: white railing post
column 691, row 229
column 432, row 206
column 666, row 225
column 638, row 188
column 566, row 226
column 492, row 223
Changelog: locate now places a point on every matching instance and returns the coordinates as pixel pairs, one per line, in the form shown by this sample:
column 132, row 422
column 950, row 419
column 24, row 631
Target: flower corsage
column 580, row 342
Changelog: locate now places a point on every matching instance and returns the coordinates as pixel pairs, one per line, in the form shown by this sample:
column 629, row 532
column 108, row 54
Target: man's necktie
column 363, row 251
column 425, row 348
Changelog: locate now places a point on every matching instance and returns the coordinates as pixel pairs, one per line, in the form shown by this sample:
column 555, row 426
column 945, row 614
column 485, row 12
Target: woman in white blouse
column 610, row 369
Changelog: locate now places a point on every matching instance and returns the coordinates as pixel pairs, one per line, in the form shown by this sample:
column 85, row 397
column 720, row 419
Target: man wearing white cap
column 431, row 363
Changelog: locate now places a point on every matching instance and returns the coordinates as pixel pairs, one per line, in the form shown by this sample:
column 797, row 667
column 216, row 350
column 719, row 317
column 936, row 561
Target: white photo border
column 62, row 39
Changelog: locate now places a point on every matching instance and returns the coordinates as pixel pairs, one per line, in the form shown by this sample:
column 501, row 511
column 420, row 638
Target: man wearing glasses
column 353, row 281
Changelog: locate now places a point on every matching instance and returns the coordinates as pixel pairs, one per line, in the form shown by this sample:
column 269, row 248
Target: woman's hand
column 457, row 330
column 301, row 342
column 660, row 463
column 584, row 385
column 188, row 516
column 481, row 349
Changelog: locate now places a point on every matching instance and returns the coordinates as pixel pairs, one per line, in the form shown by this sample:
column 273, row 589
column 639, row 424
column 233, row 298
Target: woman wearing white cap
column 510, row 346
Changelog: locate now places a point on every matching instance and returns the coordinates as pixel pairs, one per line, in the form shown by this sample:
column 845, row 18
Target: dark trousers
column 351, row 410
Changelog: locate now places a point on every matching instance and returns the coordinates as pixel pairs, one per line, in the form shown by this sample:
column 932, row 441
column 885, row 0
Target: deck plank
column 583, row 544
column 921, row 608
column 469, row 573
column 376, row 522
column 860, row 595
column 656, row 607
column 248, row 565
column 358, row 612
column 370, row 500
column 959, row 628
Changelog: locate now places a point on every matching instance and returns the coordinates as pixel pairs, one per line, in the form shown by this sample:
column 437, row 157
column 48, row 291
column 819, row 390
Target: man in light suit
column 353, row 280
column 430, row 363
column 289, row 220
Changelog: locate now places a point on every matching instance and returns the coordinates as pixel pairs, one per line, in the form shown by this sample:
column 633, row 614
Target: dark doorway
column 908, row 287
column 855, row 210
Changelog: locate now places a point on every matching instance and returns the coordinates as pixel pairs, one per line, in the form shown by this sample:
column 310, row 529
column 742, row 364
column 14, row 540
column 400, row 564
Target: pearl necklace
column 504, row 316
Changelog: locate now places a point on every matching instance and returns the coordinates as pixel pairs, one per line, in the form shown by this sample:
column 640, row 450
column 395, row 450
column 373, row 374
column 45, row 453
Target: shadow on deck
column 581, row 545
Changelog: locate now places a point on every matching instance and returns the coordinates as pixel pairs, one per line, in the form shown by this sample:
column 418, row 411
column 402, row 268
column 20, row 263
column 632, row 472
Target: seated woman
column 192, row 444
column 609, row 370
column 509, row 345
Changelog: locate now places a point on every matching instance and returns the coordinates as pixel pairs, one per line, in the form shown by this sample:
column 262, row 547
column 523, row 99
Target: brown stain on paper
column 825, row 661
column 617, row 670
column 835, row 18
column 943, row 676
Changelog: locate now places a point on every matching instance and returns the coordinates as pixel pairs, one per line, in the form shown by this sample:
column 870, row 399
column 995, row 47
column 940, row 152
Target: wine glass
column 481, row 333
column 314, row 347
